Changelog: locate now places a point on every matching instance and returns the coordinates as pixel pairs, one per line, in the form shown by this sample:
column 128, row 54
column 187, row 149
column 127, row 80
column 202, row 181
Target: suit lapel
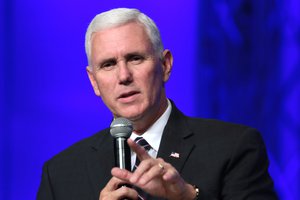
column 177, row 140
column 100, row 161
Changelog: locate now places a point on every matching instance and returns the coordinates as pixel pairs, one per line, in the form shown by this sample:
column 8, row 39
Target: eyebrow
column 130, row 55
column 107, row 60
column 126, row 56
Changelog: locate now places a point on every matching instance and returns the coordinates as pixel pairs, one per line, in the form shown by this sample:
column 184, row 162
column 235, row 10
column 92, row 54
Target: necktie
column 143, row 143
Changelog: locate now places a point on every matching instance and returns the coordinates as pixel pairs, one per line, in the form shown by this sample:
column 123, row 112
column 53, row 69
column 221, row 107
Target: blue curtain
column 235, row 60
column 249, row 52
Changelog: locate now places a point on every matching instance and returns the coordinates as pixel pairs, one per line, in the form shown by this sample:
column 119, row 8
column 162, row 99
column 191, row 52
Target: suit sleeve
column 45, row 190
column 246, row 175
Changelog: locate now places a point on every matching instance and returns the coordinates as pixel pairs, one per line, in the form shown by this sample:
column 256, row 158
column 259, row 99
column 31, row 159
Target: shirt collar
column 154, row 133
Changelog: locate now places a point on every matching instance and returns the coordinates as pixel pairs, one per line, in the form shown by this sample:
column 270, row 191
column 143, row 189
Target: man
column 189, row 158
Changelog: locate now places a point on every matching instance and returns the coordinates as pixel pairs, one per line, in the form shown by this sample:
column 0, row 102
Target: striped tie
column 143, row 143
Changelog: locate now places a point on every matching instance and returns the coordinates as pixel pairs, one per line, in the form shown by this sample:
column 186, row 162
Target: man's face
column 126, row 73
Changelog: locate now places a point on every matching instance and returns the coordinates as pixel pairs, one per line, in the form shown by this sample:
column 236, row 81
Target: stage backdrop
column 238, row 61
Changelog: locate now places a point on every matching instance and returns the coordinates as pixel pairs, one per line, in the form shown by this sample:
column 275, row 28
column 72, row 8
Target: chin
column 131, row 112
column 132, row 117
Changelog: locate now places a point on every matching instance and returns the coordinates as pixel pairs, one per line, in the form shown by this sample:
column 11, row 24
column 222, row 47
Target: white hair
column 120, row 16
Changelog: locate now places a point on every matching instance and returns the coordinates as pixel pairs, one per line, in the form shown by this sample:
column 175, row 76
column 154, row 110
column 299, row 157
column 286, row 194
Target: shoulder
column 213, row 129
column 216, row 126
column 210, row 130
column 77, row 151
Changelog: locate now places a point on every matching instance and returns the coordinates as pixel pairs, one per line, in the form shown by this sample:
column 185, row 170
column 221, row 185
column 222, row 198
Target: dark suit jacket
column 225, row 161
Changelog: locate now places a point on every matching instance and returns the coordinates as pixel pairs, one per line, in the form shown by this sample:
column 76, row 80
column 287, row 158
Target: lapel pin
column 174, row 155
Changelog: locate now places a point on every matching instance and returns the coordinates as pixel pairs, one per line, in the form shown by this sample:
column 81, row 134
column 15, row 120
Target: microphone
column 121, row 129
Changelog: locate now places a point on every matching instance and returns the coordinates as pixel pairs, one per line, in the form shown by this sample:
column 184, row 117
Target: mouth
column 128, row 94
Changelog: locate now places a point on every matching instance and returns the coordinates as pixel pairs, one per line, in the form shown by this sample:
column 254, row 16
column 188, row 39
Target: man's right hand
column 112, row 191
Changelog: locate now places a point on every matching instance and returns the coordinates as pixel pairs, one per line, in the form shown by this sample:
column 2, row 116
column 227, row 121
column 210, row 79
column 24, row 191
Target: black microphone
column 121, row 129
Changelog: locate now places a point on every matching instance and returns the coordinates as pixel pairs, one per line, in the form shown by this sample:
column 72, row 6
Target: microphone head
column 121, row 127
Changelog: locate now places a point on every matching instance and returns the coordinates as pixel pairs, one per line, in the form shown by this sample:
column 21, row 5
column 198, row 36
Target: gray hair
column 120, row 16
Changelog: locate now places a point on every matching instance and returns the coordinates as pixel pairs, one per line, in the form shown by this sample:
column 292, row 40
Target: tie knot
column 143, row 143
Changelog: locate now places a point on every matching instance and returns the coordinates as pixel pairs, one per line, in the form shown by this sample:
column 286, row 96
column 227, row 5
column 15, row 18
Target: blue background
column 235, row 60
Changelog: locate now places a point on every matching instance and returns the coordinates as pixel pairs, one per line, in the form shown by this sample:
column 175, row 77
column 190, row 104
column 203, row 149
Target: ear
column 93, row 81
column 167, row 61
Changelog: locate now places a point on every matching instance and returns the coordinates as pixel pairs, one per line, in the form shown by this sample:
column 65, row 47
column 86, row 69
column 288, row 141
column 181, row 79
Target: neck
column 141, row 126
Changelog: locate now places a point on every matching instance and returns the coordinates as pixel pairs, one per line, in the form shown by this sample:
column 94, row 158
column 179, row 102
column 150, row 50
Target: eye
column 136, row 59
column 108, row 65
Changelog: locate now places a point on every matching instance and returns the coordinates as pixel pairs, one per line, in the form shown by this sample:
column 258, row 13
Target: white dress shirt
column 153, row 134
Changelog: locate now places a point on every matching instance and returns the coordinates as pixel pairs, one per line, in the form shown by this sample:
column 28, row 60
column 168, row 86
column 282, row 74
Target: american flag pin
column 174, row 155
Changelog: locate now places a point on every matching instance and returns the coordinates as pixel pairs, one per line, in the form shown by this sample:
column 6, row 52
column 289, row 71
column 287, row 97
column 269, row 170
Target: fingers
column 121, row 174
column 125, row 192
column 140, row 151
column 154, row 176
column 120, row 193
column 112, row 191
column 148, row 173
column 113, row 184
column 148, row 170
column 171, row 176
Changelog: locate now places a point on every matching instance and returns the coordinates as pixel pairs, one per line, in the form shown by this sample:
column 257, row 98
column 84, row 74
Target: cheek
column 153, row 82
column 158, row 77
column 105, row 84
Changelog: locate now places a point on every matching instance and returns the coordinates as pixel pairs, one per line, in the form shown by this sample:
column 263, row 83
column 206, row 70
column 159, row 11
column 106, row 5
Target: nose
column 124, row 74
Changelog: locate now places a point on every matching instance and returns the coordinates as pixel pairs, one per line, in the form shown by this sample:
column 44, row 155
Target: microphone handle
column 122, row 153
column 122, row 156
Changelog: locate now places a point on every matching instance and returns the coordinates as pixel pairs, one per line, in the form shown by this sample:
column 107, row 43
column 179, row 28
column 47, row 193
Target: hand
column 112, row 191
column 155, row 176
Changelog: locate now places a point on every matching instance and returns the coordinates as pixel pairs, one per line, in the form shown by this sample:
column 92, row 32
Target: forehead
column 122, row 39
